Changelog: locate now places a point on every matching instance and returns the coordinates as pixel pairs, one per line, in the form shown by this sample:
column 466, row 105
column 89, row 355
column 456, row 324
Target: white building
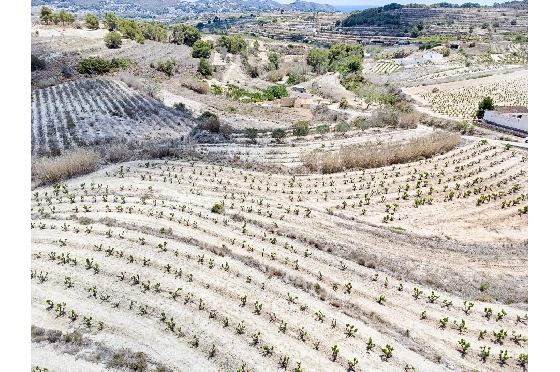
column 512, row 117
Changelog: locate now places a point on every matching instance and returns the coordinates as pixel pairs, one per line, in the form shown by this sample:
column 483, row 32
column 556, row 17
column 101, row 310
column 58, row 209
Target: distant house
column 299, row 89
column 408, row 61
column 512, row 117
column 303, row 102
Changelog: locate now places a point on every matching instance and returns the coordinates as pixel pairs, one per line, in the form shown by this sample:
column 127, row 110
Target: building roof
column 511, row 109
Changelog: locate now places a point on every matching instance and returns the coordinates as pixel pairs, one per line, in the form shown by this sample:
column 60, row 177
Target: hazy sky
column 381, row 2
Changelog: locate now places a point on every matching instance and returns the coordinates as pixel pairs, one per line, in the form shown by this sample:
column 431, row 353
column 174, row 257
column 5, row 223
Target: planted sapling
column 432, row 298
column 464, row 346
column 503, row 357
column 370, row 345
column 468, row 307
column 352, row 364
column 350, row 330
column 335, row 350
column 387, row 351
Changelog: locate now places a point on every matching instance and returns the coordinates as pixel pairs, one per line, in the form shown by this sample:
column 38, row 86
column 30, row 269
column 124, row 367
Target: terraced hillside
column 94, row 111
column 210, row 268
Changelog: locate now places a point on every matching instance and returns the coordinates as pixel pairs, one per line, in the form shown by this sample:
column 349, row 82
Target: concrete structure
column 510, row 117
column 303, row 102
column 408, row 61
column 287, row 101
column 432, row 56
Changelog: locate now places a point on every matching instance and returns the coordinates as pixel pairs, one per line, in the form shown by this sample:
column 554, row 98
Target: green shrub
column 91, row 21
column 234, row 44
column 323, row 129
column 185, row 34
column 166, row 66
column 487, row 103
column 278, row 134
column 342, row 127
column 252, row 134
column 295, row 79
column 217, row 208
column 274, row 59
column 153, row 30
column 300, row 130
column 113, row 40
column 37, row 63
column 202, row 49
column 205, row 68
column 275, row 91
column 100, row 66
column 216, row 90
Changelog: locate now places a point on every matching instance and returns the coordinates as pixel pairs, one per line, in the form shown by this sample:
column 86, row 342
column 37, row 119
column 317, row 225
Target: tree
column 353, row 64
column 129, row 28
column 252, row 133
column 274, row 59
column 278, row 134
column 65, row 17
column 91, row 22
column 205, row 68
column 487, row 103
column 184, row 34
column 317, row 57
column 202, row 49
column 111, row 21
column 233, row 44
column 45, row 14
column 113, row 40
column 154, row 30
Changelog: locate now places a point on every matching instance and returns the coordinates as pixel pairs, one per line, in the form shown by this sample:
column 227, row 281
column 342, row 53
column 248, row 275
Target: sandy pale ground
column 262, row 240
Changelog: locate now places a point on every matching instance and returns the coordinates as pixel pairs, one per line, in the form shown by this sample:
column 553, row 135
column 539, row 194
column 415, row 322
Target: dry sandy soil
column 450, row 247
column 314, row 250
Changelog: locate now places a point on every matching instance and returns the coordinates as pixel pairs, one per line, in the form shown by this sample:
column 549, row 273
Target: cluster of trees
column 375, row 16
column 97, row 66
column 381, row 16
column 47, row 15
column 341, row 57
column 131, row 29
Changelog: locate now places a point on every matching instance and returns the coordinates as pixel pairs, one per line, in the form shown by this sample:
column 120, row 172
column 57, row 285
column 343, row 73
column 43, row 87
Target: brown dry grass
column 198, row 86
column 70, row 164
column 371, row 155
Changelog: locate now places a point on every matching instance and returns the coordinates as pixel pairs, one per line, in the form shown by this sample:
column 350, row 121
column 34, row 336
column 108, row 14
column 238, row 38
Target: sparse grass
column 70, row 164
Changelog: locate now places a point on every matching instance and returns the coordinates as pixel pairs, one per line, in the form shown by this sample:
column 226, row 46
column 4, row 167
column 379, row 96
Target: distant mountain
column 179, row 8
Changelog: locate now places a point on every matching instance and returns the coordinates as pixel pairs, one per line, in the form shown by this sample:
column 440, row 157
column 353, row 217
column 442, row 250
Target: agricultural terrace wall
column 510, row 120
